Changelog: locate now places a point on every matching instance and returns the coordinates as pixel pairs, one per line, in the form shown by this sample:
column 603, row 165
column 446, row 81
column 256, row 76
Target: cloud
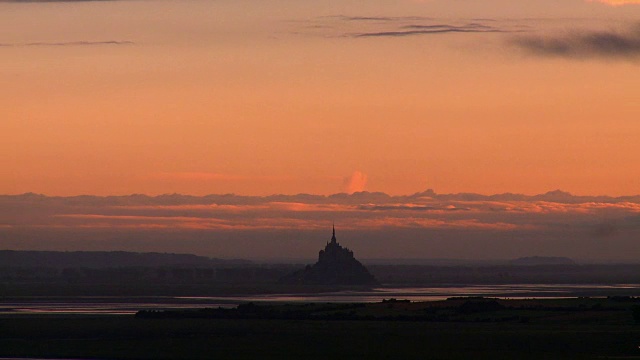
column 401, row 26
column 423, row 224
column 69, row 43
column 377, row 18
column 584, row 45
column 96, row 221
column 412, row 30
column 355, row 183
column 428, row 223
column 185, row 213
column 410, row 207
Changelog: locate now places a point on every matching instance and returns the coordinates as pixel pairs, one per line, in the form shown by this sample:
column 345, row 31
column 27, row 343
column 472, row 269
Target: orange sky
column 255, row 97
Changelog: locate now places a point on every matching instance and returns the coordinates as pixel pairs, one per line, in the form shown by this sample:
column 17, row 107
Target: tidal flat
column 459, row 328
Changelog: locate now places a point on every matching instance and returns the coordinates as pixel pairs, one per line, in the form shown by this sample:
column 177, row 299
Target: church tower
column 335, row 266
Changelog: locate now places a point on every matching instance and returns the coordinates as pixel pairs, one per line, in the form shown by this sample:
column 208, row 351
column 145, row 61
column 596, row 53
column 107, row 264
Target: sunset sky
column 264, row 97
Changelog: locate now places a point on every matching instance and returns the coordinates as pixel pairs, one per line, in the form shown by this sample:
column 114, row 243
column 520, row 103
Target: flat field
column 517, row 329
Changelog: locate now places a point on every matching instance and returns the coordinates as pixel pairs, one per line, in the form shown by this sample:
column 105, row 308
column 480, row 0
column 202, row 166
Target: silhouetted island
column 336, row 266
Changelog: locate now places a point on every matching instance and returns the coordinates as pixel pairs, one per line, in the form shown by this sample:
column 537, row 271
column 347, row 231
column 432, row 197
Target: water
column 438, row 293
column 129, row 305
column 99, row 305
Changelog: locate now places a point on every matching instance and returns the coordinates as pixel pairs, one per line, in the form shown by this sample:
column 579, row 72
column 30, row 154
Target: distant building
column 336, row 266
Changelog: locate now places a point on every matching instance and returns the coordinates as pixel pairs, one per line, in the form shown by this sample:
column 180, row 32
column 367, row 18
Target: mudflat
column 459, row 328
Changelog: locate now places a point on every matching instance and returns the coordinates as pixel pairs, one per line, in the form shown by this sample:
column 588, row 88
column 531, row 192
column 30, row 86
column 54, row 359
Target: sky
column 263, row 97
column 281, row 96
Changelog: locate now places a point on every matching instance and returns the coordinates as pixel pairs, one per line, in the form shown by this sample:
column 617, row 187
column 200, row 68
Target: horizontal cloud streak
column 203, row 223
column 584, row 45
column 364, row 26
column 29, row 209
column 409, row 207
column 412, row 30
column 380, row 18
column 591, row 223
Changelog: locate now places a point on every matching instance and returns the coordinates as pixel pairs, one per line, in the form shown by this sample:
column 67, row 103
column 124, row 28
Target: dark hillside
column 103, row 259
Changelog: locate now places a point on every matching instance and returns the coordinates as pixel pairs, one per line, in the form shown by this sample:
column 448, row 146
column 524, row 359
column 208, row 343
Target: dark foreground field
column 537, row 329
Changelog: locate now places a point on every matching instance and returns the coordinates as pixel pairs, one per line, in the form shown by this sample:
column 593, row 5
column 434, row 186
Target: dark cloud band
column 402, row 26
column 413, row 30
column 584, row 45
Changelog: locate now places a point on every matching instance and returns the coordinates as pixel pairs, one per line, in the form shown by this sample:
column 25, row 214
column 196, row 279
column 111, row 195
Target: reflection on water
column 436, row 293
column 127, row 306
column 90, row 306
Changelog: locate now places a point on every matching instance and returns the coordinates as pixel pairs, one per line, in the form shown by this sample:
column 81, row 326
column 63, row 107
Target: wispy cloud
column 213, row 210
column 400, row 26
column 412, row 30
column 377, row 18
column 97, row 221
column 68, row 43
column 356, row 182
column 244, row 223
column 584, row 44
column 411, row 207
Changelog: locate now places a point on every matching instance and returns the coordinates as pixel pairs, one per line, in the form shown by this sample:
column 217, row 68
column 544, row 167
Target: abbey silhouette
column 336, row 266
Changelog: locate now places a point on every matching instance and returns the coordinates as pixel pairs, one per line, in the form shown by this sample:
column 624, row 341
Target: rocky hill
column 336, row 266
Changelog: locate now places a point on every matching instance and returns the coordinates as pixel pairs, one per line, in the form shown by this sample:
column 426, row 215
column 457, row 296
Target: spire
column 333, row 238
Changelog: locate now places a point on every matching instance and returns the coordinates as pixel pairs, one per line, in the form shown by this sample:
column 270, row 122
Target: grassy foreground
column 517, row 329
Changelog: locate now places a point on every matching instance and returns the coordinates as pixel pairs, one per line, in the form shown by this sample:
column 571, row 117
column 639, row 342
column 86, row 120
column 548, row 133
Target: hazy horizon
column 375, row 225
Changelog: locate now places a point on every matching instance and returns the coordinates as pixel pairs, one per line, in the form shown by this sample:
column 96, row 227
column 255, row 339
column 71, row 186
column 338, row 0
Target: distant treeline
column 125, row 273
column 420, row 275
column 457, row 309
column 400, row 275
column 102, row 259
column 253, row 278
column 140, row 281
column 131, row 275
